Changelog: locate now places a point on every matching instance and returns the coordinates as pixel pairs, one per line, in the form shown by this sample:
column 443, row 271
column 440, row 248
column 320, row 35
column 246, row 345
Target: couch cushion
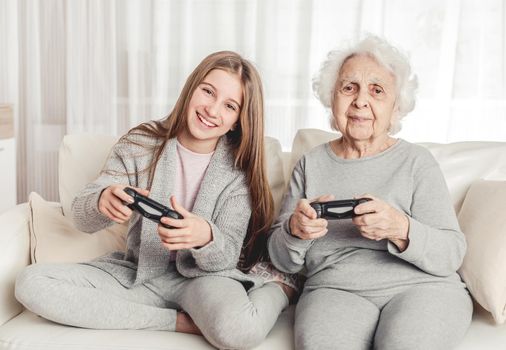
column 30, row 332
column 14, row 256
column 54, row 238
column 462, row 163
column 275, row 170
column 483, row 333
column 484, row 269
column 82, row 157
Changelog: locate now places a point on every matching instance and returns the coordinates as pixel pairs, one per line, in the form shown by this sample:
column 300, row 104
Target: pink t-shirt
column 190, row 170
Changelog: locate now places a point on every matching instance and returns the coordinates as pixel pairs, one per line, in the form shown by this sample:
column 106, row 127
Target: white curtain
column 103, row 66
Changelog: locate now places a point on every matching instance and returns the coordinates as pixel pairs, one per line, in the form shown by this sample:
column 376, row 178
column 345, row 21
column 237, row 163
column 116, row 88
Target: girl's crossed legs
column 85, row 296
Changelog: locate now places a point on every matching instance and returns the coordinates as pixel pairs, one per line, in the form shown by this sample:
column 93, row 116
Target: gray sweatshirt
column 223, row 200
column 407, row 177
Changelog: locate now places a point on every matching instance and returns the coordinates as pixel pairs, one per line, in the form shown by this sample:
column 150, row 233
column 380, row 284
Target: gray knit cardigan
column 223, row 200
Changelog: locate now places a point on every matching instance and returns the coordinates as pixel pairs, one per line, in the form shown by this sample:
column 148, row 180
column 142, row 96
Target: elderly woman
column 385, row 279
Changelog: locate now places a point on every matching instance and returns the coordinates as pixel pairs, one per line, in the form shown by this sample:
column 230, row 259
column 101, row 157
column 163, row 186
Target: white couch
column 23, row 241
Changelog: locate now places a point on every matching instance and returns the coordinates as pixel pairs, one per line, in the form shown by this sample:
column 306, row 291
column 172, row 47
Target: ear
column 394, row 119
column 396, row 108
column 332, row 122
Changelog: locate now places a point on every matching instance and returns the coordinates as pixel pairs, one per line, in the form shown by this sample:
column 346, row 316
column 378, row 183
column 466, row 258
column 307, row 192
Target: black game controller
column 149, row 208
column 324, row 209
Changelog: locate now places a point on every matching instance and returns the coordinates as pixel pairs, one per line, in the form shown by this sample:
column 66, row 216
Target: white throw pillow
column 55, row 239
column 482, row 219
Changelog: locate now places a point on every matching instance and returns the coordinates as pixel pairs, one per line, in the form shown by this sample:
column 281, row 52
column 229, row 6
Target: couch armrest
column 14, row 256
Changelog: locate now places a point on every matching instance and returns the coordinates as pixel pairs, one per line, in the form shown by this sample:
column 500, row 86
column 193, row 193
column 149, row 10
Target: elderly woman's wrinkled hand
column 378, row 220
column 304, row 223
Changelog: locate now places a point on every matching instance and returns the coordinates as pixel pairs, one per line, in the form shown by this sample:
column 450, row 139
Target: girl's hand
column 304, row 224
column 190, row 232
column 378, row 220
column 111, row 201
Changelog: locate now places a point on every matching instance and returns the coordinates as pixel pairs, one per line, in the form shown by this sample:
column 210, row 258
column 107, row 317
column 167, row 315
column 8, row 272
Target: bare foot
column 289, row 291
column 185, row 324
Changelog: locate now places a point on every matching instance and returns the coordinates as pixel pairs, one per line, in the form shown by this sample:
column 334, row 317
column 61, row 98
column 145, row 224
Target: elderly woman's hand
column 378, row 220
column 304, row 224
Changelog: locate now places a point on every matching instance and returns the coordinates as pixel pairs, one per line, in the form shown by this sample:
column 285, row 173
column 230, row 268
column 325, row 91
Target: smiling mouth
column 205, row 121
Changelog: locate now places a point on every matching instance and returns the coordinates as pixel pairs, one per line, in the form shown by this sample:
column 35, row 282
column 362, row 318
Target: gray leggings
column 422, row 317
column 85, row 296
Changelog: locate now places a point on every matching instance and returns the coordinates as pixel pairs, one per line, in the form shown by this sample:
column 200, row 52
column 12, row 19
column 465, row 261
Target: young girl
column 208, row 154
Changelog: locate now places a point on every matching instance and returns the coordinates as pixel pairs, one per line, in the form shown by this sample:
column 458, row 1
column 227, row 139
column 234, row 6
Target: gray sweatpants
column 425, row 316
column 85, row 296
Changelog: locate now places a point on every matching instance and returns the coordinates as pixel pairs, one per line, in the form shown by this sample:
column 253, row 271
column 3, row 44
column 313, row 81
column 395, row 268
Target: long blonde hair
column 246, row 141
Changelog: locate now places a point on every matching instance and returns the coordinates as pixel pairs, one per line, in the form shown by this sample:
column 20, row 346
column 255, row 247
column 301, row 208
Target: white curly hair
column 385, row 54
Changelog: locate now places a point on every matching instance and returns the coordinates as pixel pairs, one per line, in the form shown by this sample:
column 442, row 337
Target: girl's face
column 213, row 110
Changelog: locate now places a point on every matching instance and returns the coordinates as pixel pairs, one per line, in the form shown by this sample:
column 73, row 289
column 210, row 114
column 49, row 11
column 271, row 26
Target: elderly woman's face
column 364, row 99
